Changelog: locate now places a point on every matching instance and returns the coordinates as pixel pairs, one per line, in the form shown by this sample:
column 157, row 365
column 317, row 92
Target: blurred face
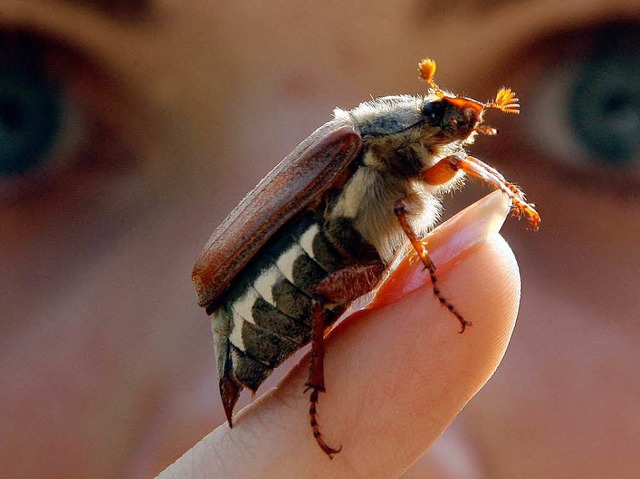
column 128, row 130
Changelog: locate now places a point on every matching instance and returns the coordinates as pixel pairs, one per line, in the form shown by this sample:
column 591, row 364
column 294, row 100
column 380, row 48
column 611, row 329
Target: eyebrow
column 436, row 9
column 133, row 10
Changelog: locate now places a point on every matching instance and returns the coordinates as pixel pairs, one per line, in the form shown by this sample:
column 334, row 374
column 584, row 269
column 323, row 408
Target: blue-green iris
column 30, row 117
column 605, row 107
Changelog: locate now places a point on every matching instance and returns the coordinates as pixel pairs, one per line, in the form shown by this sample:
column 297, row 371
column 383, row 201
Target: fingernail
column 446, row 245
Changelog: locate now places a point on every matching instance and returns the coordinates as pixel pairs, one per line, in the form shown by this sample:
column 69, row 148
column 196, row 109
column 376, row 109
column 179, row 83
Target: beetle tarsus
column 313, row 413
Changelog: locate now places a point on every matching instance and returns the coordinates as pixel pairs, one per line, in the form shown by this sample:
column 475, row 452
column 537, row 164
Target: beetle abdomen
column 266, row 314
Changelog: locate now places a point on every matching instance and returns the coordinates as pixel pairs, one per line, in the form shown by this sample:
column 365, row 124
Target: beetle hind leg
column 340, row 287
column 315, row 382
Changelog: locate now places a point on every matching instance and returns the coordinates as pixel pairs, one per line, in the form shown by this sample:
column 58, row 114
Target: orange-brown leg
column 446, row 169
column 420, row 248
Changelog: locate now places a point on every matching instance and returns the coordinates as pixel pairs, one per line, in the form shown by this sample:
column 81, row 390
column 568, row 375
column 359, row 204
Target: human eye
column 57, row 128
column 582, row 103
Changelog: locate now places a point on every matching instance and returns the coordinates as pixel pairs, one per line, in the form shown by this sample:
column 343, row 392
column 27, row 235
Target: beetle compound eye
column 433, row 112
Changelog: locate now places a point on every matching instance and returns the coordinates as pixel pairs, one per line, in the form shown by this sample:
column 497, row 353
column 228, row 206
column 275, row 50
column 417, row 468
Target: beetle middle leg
column 400, row 211
column 340, row 287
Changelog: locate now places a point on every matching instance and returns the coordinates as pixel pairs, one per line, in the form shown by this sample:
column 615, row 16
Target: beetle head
column 458, row 117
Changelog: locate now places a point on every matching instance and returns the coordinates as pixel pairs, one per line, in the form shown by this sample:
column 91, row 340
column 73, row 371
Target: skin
column 107, row 366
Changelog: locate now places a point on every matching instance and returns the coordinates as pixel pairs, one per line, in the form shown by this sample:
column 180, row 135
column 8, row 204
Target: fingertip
column 397, row 375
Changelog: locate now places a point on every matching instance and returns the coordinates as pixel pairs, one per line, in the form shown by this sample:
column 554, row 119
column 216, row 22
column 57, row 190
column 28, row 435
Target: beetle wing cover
column 317, row 164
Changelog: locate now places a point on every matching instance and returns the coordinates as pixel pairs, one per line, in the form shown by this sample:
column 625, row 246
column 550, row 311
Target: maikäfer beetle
column 323, row 226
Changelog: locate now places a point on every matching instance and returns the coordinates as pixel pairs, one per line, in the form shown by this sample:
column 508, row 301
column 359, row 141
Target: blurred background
column 129, row 129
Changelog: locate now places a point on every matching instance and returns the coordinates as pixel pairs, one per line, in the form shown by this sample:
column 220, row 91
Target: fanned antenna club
column 506, row 101
column 427, row 69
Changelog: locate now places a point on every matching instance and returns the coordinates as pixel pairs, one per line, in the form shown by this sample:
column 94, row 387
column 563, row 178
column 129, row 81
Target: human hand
column 397, row 373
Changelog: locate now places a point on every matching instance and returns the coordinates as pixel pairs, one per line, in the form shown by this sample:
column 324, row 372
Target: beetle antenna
column 506, row 101
column 427, row 70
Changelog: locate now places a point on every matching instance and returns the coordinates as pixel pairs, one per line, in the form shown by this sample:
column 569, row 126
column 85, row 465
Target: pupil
column 624, row 113
column 30, row 116
column 10, row 113
column 604, row 108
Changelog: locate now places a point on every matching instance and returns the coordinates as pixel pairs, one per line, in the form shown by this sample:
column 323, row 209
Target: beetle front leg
column 447, row 168
column 400, row 211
